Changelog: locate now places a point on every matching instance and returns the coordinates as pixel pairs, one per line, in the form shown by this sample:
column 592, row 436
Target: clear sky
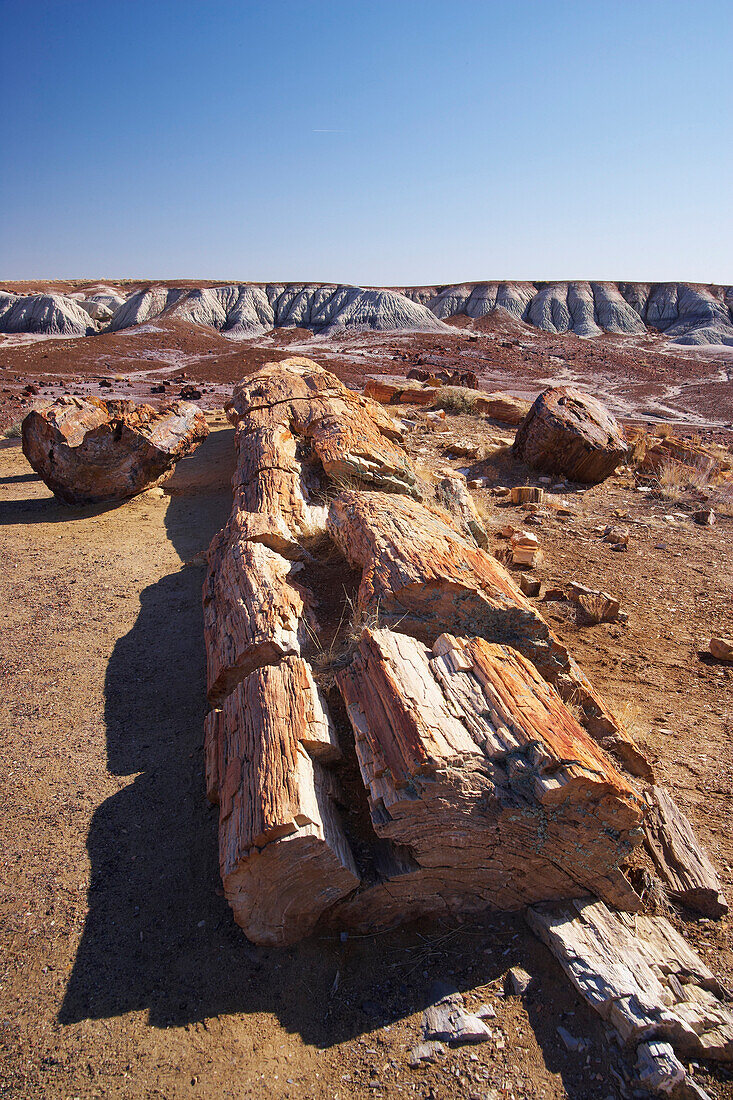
column 367, row 141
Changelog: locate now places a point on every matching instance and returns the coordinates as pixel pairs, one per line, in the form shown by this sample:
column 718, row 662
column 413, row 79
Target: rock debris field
column 367, row 734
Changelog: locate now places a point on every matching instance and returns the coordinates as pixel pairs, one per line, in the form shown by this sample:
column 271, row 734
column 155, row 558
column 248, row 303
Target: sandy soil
column 123, row 974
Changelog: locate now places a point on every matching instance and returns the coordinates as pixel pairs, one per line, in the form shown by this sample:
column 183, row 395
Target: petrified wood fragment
column 421, row 576
column 90, row 451
column 283, row 855
column 350, row 436
column 680, row 862
column 502, row 407
column 639, row 975
column 254, row 612
column 570, row 433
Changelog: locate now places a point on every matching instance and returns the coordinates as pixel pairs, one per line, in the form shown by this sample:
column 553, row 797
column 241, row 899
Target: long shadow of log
column 159, row 937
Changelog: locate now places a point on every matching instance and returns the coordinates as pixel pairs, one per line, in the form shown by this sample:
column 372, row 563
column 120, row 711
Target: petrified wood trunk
column 283, row 855
column 570, row 433
column 422, row 576
column 452, row 772
column 474, row 765
column 90, row 451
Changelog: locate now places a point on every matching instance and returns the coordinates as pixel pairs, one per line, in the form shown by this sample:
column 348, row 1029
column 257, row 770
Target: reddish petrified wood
column 459, row 776
column 475, row 766
column 570, row 433
column 90, row 451
column 283, row 855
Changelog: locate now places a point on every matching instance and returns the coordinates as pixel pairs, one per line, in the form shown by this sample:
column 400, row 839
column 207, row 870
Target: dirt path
column 123, row 974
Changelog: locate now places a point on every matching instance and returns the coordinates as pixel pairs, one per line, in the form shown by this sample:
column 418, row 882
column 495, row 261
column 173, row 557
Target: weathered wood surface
column 451, row 490
column 350, row 436
column 640, row 975
column 680, row 862
column 398, row 391
column 254, row 611
column 89, row 451
column 423, row 577
column 570, row 433
column 474, row 765
column 466, row 781
column 502, row 407
column 283, row 855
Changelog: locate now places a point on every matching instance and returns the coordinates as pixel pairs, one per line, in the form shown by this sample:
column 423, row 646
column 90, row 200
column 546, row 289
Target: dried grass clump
column 675, row 479
column 722, row 499
column 457, row 399
column 14, row 431
column 327, row 662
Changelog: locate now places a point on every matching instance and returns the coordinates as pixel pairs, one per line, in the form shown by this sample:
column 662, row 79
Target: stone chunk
column 640, row 975
column 530, row 585
column 89, row 451
column 722, row 649
column 570, row 433
column 596, row 606
column 524, row 494
column 518, row 981
column 680, row 862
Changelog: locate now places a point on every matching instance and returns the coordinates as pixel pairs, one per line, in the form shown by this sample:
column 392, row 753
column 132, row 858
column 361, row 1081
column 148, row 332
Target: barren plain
column 123, row 972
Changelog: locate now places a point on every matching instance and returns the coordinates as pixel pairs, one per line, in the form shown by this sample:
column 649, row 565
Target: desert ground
column 123, row 973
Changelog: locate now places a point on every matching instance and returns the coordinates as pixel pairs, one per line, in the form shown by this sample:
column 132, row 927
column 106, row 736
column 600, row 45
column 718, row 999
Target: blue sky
column 367, row 142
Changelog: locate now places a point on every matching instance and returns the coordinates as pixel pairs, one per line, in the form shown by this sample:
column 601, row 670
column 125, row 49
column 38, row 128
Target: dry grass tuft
column 675, row 480
column 326, row 663
column 457, row 399
column 722, row 499
column 12, row 432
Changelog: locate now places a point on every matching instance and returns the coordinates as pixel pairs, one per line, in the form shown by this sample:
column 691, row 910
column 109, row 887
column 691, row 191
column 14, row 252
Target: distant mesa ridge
column 686, row 313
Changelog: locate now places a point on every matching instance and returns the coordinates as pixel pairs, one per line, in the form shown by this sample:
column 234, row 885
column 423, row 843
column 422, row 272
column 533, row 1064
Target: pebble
column 518, row 980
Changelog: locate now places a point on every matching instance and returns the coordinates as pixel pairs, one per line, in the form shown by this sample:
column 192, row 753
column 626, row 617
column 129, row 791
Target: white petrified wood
column 640, row 975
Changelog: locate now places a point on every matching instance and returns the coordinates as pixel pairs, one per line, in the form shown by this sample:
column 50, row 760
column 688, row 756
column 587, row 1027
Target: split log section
column 452, row 773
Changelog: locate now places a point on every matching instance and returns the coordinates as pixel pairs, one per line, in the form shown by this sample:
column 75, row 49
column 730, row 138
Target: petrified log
column 502, row 407
column 398, row 391
column 466, row 780
column 640, row 975
column 350, row 436
column 283, row 855
column 419, row 389
column 89, row 451
column 570, row 433
column 680, row 862
column 421, row 576
column 254, row 613
column 475, row 766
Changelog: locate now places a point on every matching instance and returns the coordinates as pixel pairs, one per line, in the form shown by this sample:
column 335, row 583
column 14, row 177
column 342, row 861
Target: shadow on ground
column 160, row 937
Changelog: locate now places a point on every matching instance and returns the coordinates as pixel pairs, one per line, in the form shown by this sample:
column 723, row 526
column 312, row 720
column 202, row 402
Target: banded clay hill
column 368, row 711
